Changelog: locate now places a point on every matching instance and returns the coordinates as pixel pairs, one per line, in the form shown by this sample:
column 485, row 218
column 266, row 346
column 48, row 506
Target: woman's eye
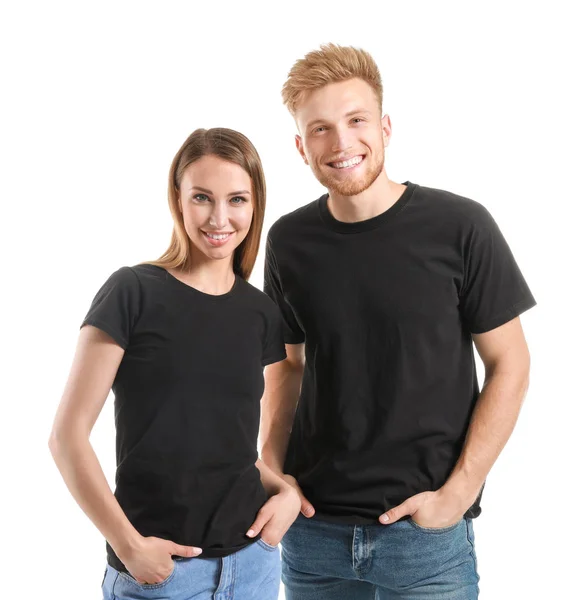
column 238, row 200
column 200, row 197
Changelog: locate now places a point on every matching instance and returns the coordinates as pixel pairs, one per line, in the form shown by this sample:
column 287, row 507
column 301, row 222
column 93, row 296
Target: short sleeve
column 292, row 332
column 494, row 290
column 274, row 344
column 115, row 307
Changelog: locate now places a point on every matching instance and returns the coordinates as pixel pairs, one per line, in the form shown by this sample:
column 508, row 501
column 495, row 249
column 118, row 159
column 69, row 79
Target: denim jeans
column 252, row 573
column 401, row 561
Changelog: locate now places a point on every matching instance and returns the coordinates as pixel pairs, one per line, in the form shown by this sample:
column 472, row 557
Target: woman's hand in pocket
column 276, row 516
column 150, row 560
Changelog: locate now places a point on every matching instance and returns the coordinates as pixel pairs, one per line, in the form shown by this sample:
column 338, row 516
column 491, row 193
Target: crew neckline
column 216, row 297
column 367, row 224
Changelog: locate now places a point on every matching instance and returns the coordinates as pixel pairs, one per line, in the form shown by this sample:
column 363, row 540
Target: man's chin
column 347, row 188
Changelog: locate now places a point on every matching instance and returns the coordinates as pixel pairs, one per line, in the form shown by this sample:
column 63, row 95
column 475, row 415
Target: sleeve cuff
column 115, row 335
column 511, row 313
column 273, row 359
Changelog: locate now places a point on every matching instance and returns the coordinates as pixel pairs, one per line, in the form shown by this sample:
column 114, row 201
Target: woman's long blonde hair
column 236, row 148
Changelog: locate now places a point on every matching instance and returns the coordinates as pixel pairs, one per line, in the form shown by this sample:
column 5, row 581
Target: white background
column 98, row 98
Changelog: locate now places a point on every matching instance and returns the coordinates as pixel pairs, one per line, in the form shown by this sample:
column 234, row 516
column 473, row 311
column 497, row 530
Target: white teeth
column 218, row 237
column 347, row 163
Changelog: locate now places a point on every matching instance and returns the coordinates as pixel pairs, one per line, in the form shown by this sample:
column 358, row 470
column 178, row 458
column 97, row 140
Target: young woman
column 183, row 341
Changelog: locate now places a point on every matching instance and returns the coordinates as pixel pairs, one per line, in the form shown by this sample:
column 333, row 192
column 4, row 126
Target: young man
column 376, row 417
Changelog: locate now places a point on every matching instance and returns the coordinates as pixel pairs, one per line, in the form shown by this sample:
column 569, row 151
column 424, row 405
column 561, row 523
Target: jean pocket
column 267, row 546
column 150, row 586
column 434, row 529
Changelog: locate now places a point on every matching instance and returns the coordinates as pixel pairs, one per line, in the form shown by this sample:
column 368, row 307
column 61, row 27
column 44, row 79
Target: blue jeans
column 252, row 573
column 401, row 561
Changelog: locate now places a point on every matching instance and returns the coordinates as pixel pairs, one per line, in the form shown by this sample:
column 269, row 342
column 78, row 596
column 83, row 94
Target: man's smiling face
column 342, row 135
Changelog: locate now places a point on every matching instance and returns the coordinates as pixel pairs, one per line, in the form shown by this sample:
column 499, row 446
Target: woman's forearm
column 282, row 387
column 84, row 477
column 272, row 483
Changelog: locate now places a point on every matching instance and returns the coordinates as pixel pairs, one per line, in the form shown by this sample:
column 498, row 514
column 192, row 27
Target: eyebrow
column 355, row 111
column 206, row 191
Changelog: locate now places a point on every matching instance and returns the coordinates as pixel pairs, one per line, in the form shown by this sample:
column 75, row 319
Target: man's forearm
column 492, row 423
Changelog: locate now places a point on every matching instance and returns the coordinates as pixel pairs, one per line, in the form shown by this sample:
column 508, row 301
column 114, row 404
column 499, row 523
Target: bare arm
column 505, row 355
column 272, row 482
column 506, row 358
column 93, row 371
column 282, row 389
column 282, row 508
column 278, row 513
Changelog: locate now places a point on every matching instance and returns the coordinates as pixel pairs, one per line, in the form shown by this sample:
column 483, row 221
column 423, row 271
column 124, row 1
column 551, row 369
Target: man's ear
column 299, row 146
column 386, row 129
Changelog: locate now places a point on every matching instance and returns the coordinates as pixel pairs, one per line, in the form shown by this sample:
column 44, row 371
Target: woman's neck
column 214, row 277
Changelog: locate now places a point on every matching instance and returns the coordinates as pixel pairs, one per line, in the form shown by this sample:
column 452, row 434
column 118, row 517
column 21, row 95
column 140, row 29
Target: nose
column 341, row 140
column 219, row 215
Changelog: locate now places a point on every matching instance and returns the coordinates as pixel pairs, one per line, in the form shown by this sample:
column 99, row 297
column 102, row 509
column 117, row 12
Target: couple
column 376, row 438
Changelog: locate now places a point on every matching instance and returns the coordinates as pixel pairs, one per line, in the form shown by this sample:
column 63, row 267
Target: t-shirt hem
column 472, row 513
column 117, row 337
column 512, row 312
column 344, row 519
column 115, row 563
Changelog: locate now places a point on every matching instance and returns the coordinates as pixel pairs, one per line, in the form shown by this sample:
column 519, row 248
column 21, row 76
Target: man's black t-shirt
column 187, row 404
column 386, row 308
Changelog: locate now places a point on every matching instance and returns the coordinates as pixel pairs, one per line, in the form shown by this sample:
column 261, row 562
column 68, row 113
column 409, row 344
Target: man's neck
column 376, row 199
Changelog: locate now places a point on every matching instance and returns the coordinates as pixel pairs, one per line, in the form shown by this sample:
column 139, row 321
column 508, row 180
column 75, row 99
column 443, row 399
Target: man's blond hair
column 330, row 64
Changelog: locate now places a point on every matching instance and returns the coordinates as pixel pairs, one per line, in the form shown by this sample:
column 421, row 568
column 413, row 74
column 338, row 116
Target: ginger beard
column 352, row 181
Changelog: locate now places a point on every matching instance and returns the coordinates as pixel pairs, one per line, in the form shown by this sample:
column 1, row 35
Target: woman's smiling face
column 215, row 198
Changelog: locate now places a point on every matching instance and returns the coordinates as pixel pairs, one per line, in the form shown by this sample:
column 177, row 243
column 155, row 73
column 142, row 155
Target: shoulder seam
column 140, row 294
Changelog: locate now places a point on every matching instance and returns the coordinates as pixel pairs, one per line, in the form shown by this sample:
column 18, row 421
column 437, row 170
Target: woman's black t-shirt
column 187, row 404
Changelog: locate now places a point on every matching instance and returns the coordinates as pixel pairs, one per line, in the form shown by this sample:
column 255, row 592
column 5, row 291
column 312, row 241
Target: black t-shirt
column 386, row 308
column 187, row 404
